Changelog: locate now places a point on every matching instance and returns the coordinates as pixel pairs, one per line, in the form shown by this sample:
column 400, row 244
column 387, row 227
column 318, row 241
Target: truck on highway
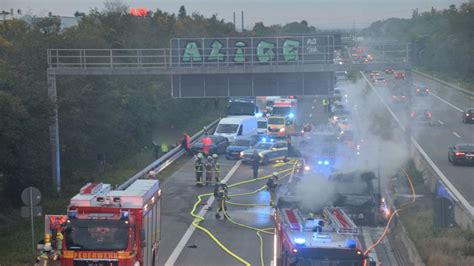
column 107, row 227
column 285, row 107
column 359, row 194
column 315, row 237
column 281, row 127
column 241, row 106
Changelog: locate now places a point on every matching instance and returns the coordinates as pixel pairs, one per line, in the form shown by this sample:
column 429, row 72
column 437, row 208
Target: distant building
column 66, row 22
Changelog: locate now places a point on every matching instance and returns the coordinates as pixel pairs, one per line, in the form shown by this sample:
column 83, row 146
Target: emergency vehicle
column 285, row 107
column 109, row 227
column 330, row 238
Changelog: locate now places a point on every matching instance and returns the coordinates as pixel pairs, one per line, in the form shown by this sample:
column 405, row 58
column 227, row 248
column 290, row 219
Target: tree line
column 441, row 40
column 99, row 117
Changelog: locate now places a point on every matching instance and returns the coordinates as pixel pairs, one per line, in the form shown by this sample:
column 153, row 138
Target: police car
column 268, row 150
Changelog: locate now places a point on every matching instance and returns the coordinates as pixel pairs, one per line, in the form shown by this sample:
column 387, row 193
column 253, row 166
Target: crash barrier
column 464, row 211
column 443, row 82
column 404, row 249
column 166, row 159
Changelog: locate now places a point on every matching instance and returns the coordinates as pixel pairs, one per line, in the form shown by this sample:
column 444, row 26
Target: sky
column 320, row 13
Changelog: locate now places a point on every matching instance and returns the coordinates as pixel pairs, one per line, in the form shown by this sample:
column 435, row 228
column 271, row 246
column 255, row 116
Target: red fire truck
column 109, row 227
column 329, row 238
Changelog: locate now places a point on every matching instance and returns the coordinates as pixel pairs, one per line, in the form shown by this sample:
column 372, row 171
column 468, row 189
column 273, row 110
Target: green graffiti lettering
column 290, row 50
column 215, row 54
column 239, row 56
column 191, row 52
column 265, row 51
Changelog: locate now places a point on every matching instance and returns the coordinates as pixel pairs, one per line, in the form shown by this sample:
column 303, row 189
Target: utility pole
column 235, row 28
column 242, row 21
column 54, row 130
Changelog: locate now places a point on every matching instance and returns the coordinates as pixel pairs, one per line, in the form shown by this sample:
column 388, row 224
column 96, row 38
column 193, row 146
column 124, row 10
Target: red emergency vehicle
column 111, row 227
column 329, row 238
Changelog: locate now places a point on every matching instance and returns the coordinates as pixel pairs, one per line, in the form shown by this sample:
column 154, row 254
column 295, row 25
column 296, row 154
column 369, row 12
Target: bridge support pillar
column 54, row 130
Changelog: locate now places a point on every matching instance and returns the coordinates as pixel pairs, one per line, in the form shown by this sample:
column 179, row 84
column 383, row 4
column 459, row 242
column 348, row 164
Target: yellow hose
column 198, row 219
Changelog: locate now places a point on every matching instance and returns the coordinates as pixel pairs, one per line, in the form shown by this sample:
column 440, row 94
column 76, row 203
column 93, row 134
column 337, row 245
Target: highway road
column 446, row 105
column 183, row 244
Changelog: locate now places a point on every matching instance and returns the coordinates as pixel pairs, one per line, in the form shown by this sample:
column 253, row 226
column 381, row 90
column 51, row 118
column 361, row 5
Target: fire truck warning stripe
column 293, row 221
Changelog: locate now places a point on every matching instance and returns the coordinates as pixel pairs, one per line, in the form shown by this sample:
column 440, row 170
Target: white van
column 262, row 125
column 233, row 126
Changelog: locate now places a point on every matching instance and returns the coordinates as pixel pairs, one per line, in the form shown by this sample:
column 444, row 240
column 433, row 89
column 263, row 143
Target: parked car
column 240, row 144
column 218, row 146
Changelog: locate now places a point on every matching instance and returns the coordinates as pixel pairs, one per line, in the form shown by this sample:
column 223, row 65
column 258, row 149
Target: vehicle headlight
column 261, row 155
column 241, row 154
column 282, row 129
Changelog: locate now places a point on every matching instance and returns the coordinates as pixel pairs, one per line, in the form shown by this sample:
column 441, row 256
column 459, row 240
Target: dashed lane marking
column 440, row 122
column 182, row 243
column 456, row 134
column 446, row 102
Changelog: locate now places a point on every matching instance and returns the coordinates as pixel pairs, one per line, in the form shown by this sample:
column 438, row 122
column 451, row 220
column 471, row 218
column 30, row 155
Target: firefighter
column 255, row 163
column 199, row 168
column 217, row 168
column 209, row 170
column 186, row 142
column 164, row 147
column 307, row 128
column 151, row 174
column 326, row 104
column 220, row 193
column 156, row 150
column 206, row 144
column 272, row 187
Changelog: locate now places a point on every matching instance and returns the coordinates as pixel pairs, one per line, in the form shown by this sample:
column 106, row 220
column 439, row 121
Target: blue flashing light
column 351, row 243
column 264, row 139
column 71, row 214
column 300, row 240
column 271, row 140
column 259, row 114
column 291, row 115
column 320, row 162
column 124, row 214
column 326, row 162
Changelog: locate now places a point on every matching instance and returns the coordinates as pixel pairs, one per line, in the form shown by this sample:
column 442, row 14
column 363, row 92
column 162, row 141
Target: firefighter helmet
column 215, row 156
column 200, row 155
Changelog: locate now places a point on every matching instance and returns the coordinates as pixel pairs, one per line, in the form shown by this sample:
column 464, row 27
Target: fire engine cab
column 328, row 238
column 110, row 227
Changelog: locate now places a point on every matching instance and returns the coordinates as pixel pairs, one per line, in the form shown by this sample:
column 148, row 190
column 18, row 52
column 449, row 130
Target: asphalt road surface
column 183, row 244
column 447, row 105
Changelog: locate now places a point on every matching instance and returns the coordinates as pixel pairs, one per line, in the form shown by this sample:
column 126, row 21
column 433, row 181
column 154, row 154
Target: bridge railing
column 167, row 159
column 209, row 57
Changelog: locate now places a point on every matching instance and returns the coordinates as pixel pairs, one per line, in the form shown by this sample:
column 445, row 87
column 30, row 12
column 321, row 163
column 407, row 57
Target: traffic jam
column 276, row 140
column 299, row 184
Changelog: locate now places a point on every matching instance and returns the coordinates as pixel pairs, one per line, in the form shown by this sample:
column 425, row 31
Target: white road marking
column 368, row 241
column 312, row 107
column 456, row 134
column 182, row 243
column 311, row 115
column 440, row 122
column 446, row 102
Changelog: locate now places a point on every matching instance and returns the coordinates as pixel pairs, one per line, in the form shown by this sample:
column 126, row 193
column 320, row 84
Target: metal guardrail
column 166, row 58
column 167, row 159
column 443, row 82
column 455, row 194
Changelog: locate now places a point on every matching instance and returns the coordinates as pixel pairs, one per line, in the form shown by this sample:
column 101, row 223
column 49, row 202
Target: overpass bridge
column 223, row 67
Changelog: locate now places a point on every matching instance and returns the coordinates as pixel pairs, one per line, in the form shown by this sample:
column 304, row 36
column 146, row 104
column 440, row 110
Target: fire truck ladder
column 293, row 219
column 341, row 221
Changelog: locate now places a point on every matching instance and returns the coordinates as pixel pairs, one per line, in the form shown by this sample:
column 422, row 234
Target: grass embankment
column 467, row 84
column 15, row 237
column 437, row 247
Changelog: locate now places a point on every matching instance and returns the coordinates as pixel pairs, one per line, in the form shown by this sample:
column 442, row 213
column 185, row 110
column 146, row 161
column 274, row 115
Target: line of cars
column 420, row 114
column 245, row 131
